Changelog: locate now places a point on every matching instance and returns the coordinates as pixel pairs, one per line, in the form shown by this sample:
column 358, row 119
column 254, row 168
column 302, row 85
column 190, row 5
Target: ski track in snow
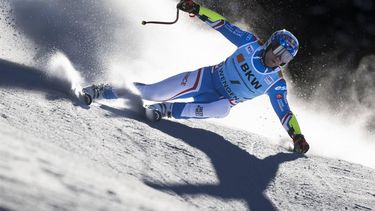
column 59, row 155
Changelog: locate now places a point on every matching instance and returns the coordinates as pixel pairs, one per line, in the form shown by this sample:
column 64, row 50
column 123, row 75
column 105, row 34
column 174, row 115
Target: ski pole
column 162, row 22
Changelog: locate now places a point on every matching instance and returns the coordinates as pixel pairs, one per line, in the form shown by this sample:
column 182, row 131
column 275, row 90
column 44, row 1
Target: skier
column 252, row 70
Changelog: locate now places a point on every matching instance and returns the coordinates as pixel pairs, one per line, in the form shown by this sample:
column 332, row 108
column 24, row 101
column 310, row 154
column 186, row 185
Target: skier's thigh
column 183, row 85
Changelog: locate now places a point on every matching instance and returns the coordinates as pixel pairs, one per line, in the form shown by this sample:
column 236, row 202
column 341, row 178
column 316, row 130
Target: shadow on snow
column 241, row 175
column 13, row 75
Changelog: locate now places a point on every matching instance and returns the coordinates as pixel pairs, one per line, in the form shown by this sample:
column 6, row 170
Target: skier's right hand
column 300, row 144
column 188, row 6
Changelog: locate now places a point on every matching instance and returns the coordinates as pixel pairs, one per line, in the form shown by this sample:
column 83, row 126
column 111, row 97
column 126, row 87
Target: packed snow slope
column 57, row 154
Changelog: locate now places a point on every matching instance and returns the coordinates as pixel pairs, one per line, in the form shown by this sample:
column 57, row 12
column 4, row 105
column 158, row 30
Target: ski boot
column 97, row 92
column 156, row 112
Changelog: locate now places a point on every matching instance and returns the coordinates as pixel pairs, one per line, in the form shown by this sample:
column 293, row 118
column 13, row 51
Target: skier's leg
column 216, row 109
column 183, row 85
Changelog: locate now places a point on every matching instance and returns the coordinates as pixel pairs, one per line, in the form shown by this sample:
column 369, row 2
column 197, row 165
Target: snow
column 58, row 154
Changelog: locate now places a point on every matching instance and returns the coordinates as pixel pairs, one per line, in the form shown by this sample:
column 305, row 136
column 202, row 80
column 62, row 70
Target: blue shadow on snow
column 241, row 175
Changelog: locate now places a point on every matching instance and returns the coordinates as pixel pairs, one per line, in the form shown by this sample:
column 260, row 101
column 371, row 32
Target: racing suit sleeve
column 233, row 33
column 278, row 96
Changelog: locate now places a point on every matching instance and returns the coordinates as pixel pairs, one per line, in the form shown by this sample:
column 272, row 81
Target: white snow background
column 58, row 154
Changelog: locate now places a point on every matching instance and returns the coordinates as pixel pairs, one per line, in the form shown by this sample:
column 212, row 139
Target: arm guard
column 206, row 14
column 291, row 125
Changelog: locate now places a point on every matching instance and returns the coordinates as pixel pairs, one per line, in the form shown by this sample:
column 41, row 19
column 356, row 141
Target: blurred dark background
column 334, row 37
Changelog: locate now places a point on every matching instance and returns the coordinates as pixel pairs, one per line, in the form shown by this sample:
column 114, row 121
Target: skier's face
column 271, row 60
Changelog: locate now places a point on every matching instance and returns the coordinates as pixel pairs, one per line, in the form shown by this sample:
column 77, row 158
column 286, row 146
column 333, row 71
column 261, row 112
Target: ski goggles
column 284, row 54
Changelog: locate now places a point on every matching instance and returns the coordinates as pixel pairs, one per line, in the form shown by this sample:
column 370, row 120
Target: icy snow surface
column 57, row 154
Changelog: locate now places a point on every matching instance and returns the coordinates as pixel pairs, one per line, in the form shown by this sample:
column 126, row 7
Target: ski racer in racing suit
column 252, row 70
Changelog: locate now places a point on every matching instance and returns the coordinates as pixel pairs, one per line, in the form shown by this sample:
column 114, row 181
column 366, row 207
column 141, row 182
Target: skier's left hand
column 188, row 6
column 300, row 144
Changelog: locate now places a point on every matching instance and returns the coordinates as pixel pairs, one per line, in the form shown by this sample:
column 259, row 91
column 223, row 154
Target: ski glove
column 300, row 144
column 188, row 6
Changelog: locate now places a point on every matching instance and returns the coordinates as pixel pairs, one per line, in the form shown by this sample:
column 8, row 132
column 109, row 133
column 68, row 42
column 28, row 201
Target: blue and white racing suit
column 215, row 89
